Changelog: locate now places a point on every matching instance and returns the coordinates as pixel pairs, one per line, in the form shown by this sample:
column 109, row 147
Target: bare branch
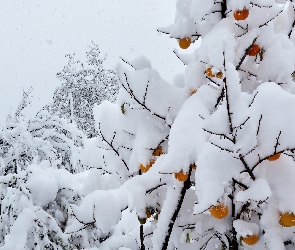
column 179, row 57
column 145, row 93
column 271, row 19
column 259, row 123
column 223, row 8
column 253, row 99
column 277, row 141
column 185, row 187
column 247, row 167
column 242, row 124
column 260, row 6
column 220, row 98
column 245, row 54
column 223, row 135
column 130, row 92
column 154, row 188
column 228, row 150
column 215, row 83
column 239, row 183
column 125, row 61
column 228, row 110
column 111, row 146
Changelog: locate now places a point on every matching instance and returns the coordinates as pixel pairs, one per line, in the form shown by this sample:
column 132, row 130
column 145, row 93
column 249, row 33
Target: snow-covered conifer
column 83, row 85
column 44, row 137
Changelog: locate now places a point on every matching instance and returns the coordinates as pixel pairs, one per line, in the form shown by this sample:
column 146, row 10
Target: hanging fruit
column 149, row 211
column 240, row 15
column 274, row 157
column 219, row 211
column 254, row 50
column 287, row 219
column 184, row 43
column 251, row 239
column 145, row 168
column 219, row 75
column 181, row 176
column 158, row 151
column 209, row 72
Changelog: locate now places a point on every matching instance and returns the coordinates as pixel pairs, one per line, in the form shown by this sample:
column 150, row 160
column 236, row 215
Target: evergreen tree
column 44, row 137
column 83, row 85
column 209, row 163
column 37, row 158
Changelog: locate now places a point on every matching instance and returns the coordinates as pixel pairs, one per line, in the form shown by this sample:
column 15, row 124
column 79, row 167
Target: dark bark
column 223, row 9
column 142, row 247
column 141, row 236
column 186, row 186
column 233, row 244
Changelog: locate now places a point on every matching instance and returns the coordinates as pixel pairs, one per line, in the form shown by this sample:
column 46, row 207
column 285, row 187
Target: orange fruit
column 219, row 75
column 219, row 211
column 240, row 15
column 184, row 43
column 209, row 72
column 274, row 157
column 158, row 151
column 149, row 211
column 251, row 239
column 194, row 166
column 181, row 176
column 287, row 220
column 194, row 91
column 148, row 215
column 147, row 167
column 254, row 50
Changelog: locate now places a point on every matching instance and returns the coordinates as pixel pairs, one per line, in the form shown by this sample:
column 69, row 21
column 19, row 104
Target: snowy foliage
column 38, row 157
column 44, row 137
column 23, row 103
column 206, row 163
column 83, row 85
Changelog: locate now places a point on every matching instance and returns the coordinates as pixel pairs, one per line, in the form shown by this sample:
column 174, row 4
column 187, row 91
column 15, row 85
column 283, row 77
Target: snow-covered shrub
column 35, row 207
column 83, row 85
column 38, row 210
column 224, row 178
column 44, row 137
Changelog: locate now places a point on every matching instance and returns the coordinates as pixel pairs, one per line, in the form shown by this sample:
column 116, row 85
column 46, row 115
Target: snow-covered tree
column 37, row 158
column 206, row 163
column 22, row 104
column 83, row 85
column 44, row 137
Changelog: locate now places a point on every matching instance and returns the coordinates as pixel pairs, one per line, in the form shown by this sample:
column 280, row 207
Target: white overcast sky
column 36, row 35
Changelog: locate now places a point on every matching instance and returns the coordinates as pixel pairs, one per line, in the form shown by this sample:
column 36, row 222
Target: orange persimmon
column 194, row 166
column 240, row 15
column 147, row 167
column 209, row 72
column 181, row 176
column 193, row 91
column 287, row 219
column 219, row 75
column 254, row 50
column 274, row 157
column 149, row 211
column 219, row 212
column 184, row 43
column 250, row 239
column 158, row 151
